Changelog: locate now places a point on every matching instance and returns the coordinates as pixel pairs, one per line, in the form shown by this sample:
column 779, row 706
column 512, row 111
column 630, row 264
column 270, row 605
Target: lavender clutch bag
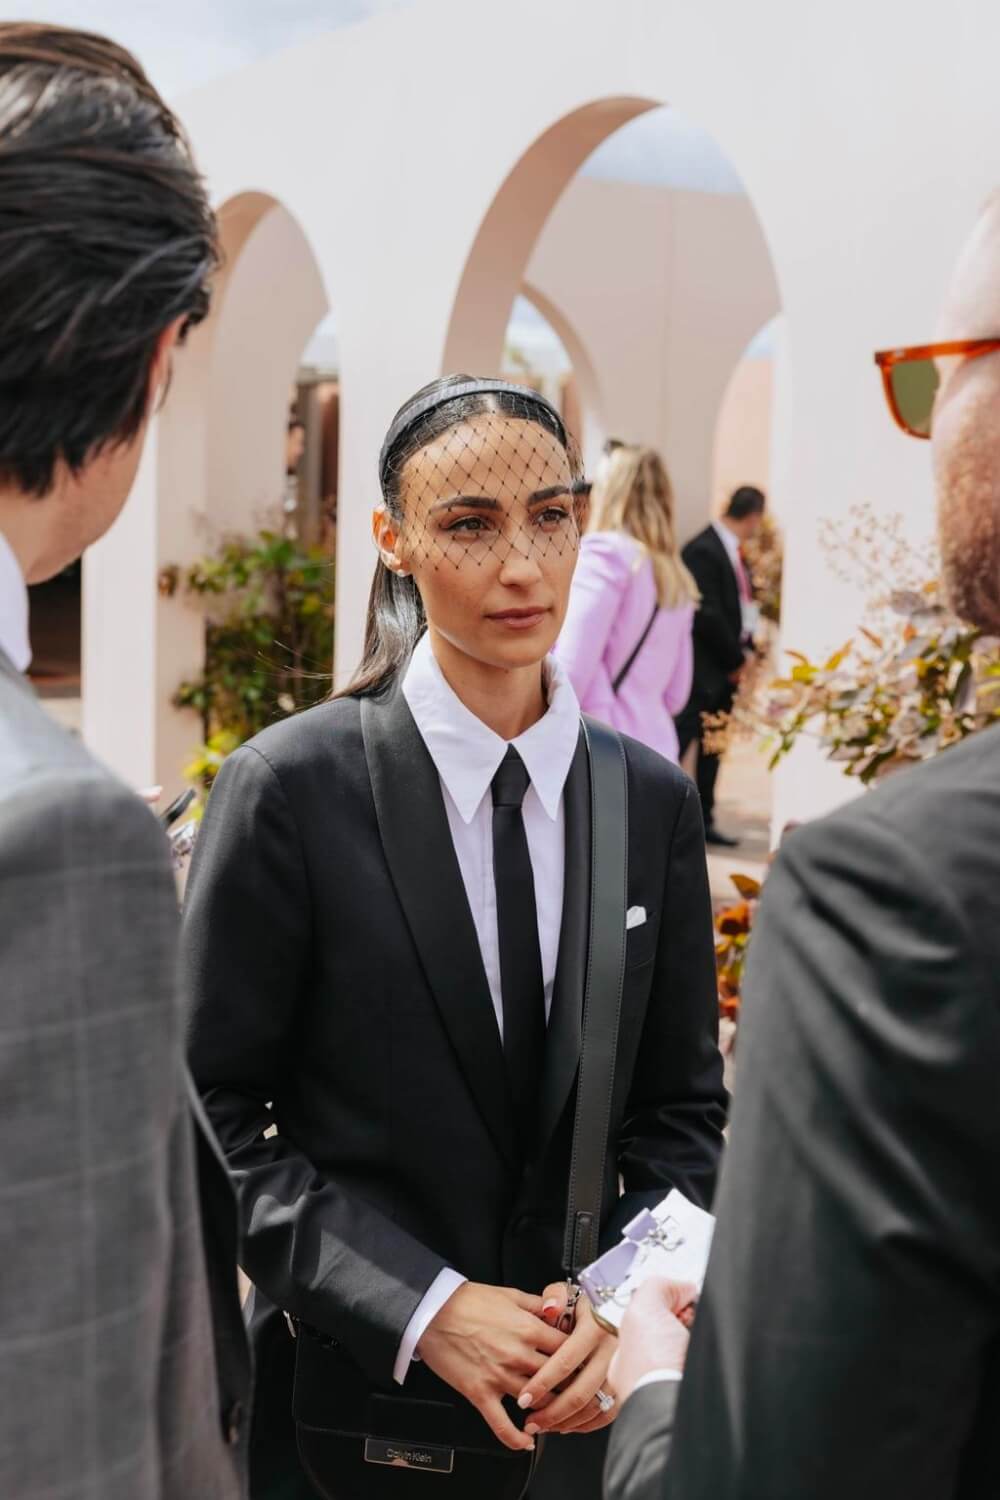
column 671, row 1240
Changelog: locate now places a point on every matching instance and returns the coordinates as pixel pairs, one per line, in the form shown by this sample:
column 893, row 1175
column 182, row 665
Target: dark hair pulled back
column 396, row 619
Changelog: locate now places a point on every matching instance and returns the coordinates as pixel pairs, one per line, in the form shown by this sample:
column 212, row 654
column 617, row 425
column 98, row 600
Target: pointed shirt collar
column 729, row 540
column 13, row 608
column 467, row 753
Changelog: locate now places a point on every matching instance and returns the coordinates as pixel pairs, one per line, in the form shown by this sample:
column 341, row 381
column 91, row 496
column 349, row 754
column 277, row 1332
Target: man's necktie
column 521, row 979
column 743, row 576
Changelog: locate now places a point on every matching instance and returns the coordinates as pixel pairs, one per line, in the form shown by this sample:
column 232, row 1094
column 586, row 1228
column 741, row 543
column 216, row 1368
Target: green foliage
column 901, row 697
column 914, row 680
column 269, row 606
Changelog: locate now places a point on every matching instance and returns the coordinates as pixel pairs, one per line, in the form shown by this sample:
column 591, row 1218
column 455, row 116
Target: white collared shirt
column 731, row 542
column 749, row 611
column 13, row 608
column 467, row 755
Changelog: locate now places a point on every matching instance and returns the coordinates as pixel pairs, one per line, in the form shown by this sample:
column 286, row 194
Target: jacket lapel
column 562, row 1047
column 421, row 857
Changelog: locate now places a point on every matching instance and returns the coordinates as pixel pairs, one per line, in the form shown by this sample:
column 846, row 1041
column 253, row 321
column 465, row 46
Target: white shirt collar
column 13, row 608
column 729, row 540
column 466, row 751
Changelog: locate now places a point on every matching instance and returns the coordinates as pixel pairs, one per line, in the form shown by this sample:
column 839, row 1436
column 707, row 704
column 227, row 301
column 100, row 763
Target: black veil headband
column 411, row 415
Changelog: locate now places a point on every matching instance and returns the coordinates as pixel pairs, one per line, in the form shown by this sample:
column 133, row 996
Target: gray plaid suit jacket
column 123, row 1365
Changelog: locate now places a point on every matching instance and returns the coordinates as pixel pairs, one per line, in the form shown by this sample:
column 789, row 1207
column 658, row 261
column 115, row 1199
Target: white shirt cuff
column 655, row 1376
column 441, row 1288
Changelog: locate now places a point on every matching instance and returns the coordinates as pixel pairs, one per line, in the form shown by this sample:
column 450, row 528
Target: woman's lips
column 520, row 619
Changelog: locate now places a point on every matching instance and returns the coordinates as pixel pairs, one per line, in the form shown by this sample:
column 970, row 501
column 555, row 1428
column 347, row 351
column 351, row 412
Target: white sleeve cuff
column 441, row 1288
column 655, row 1376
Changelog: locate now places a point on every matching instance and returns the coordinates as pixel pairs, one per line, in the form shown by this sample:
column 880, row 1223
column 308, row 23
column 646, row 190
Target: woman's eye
column 468, row 525
column 554, row 515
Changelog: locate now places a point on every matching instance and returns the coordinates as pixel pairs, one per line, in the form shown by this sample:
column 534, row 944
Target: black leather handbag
column 359, row 1442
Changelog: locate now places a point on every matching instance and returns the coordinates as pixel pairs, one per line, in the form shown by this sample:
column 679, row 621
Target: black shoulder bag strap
column 626, row 669
column 602, row 993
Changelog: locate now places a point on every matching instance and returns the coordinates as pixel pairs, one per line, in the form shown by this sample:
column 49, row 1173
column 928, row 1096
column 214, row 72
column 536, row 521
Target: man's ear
column 159, row 368
column 386, row 537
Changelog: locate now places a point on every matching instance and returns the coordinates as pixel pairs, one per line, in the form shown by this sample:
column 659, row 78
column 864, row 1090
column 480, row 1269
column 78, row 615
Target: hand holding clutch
column 484, row 1342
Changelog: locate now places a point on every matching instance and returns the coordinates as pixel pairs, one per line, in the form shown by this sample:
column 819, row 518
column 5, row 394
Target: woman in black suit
column 386, row 929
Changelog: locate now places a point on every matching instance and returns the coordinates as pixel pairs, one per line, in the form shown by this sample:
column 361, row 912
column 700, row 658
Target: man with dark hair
column 723, row 633
column 123, row 1365
column 847, row 1341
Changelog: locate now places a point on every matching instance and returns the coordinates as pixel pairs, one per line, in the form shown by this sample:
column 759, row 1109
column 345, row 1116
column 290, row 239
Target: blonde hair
column 633, row 494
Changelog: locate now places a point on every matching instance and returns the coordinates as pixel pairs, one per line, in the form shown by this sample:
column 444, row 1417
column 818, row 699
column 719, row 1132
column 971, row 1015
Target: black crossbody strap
column 626, row 669
column 602, row 994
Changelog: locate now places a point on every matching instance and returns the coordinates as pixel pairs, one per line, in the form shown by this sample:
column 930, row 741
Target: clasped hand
column 491, row 1342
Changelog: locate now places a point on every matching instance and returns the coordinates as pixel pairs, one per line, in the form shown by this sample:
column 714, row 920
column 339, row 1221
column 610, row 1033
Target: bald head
column 966, row 432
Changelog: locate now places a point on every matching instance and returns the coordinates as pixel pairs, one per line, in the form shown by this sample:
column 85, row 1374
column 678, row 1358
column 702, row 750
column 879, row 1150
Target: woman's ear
column 385, row 533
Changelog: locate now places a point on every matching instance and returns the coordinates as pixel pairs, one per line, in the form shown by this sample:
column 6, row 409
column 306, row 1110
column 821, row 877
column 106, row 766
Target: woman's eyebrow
column 554, row 492
column 486, row 502
column 476, row 502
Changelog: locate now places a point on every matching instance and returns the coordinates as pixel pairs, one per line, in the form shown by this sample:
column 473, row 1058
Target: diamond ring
column 605, row 1402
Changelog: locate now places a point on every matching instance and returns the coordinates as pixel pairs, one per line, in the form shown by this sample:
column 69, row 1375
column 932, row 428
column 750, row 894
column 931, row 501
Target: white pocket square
column 634, row 917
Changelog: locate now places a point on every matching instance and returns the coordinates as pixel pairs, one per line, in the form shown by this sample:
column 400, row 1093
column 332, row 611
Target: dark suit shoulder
column 701, row 543
column 57, row 820
column 653, row 770
column 654, row 781
column 942, row 816
column 919, row 854
column 327, row 732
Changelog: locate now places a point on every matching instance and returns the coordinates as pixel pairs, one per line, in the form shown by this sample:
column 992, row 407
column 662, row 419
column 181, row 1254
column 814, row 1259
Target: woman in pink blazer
column 626, row 643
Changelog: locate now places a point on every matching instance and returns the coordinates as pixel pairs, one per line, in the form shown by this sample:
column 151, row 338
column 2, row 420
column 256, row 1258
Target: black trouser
column 689, row 728
column 706, row 775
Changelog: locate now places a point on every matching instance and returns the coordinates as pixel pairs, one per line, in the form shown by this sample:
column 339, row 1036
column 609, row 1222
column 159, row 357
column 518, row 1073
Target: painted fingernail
column 550, row 1312
column 526, row 1401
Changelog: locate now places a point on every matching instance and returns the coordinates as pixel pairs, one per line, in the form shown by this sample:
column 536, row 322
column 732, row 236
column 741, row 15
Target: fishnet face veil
column 493, row 491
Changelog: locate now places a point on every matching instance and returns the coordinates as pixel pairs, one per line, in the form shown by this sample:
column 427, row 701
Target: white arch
column 213, row 461
column 584, row 372
column 390, row 141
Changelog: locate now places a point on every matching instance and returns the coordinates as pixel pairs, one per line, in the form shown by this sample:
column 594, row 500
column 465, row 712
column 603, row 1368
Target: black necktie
column 521, row 979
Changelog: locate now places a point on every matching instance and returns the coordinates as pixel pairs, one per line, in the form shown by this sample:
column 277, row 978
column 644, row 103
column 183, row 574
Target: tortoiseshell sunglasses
column 911, row 378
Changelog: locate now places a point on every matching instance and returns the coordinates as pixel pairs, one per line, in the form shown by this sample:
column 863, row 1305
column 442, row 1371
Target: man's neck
column 23, row 534
column 507, row 700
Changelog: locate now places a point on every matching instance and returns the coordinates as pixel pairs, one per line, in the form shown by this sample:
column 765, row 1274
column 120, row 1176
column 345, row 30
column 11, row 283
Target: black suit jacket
column 340, row 996
column 718, row 624
column 848, row 1340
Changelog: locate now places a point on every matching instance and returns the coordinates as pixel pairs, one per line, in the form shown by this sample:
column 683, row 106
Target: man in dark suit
column 723, row 633
column 848, row 1339
column 124, row 1370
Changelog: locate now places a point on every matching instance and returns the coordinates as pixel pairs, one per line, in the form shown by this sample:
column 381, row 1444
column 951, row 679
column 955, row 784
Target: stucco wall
column 422, row 229
column 663, row 289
